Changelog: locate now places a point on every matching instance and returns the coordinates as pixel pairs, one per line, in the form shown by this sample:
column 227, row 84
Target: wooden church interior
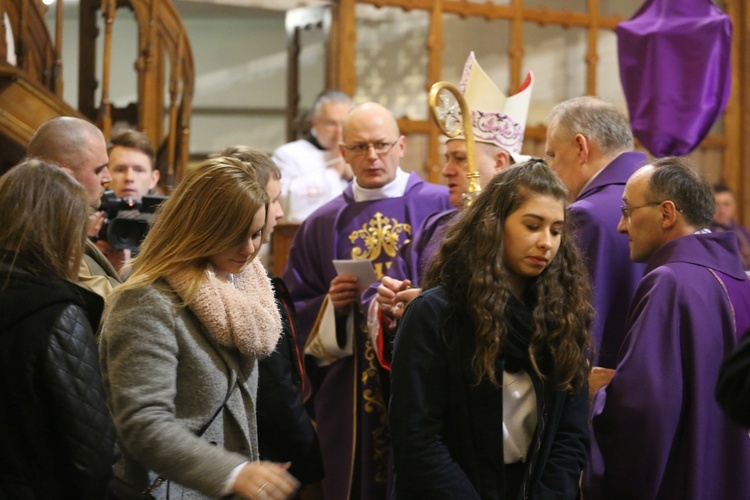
column 162, row 66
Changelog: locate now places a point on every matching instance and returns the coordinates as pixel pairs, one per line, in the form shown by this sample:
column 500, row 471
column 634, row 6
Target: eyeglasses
column 626, row 209
column 381, row 148
column 330, row 123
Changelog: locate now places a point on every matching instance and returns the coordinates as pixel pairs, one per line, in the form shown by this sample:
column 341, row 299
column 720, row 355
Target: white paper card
column 362, row 269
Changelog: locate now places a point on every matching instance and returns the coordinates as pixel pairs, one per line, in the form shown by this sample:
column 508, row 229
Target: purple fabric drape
column 675, row 68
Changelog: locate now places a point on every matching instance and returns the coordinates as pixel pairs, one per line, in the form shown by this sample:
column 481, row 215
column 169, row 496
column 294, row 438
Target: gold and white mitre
column 497, row 119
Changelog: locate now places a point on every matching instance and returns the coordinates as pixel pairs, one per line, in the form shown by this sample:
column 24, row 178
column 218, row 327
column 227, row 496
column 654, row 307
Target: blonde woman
column 181, row 339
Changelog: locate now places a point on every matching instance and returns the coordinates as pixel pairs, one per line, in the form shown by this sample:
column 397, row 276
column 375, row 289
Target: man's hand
column 334, row 160
column 387, row 291
column 96, row 220
column 118, row 258
column 343, row 292
column 598, row 378
column 403, row 299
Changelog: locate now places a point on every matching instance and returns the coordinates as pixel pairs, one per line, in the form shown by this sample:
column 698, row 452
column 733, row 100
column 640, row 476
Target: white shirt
column 394, row 189
column 306, row 181
column 519, row 416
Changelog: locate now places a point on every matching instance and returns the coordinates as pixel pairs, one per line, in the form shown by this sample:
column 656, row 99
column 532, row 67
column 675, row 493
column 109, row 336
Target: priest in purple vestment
column 499, row 122
column 378, row 213
column 590, row 146
column 726, row 207
column 657, row 429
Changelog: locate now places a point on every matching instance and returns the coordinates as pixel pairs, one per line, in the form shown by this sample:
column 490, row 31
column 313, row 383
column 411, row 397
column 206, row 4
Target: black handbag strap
column 205, row 426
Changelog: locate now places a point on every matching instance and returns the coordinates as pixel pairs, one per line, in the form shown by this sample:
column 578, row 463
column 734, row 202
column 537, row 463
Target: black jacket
column 733, row 387
column 285, row 431
column 447, row 431
column 57, row 434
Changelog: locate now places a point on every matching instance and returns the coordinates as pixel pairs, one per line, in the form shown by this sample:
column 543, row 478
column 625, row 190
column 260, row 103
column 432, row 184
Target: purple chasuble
column 675, row 68
column 657, row 429
column 410, row 264
column 594, row 216
column 413, row 258
column 743, row 240
column 350, row 396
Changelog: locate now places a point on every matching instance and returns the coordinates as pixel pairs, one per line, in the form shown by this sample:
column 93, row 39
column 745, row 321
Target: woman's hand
column 265, row 480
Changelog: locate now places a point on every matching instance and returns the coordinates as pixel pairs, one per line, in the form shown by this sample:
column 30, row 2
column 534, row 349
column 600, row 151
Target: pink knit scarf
column 243, row 316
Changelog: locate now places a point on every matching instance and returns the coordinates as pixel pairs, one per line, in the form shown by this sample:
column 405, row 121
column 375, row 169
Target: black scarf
column 520, row 327
column 314, row 141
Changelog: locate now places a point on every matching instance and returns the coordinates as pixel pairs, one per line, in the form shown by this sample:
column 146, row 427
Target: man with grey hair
column 590, row 146
column 657, row 430
column 79, row 147
column 313, row 170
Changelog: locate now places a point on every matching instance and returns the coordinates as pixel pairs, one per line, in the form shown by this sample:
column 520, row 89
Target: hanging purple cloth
column 675, row 67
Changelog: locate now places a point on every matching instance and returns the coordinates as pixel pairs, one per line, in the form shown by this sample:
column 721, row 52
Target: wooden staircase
column 31, row 89
column 24, row 105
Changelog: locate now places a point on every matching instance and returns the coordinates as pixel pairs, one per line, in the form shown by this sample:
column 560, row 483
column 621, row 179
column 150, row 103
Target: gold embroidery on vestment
column 380, row 235
column 374, row 402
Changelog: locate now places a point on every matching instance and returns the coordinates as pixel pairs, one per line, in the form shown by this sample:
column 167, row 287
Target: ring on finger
column 261, row 488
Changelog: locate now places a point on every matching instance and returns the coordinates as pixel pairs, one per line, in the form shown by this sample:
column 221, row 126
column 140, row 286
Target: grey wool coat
column 165, row 377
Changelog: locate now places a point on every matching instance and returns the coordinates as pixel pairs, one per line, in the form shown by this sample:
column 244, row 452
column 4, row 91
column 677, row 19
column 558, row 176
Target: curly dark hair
column 470, row 268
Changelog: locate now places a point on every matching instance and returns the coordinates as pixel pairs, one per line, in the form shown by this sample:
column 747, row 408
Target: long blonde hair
column 210, row 211
column 45, row 218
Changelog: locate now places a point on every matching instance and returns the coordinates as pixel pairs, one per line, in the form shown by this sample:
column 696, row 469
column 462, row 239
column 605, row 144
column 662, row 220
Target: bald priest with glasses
column 375, row 215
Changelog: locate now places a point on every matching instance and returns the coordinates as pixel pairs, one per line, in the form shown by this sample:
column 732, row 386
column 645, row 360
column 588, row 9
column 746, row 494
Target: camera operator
column 131, row 163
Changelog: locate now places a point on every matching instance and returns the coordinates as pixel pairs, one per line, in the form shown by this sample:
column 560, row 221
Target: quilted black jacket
column 57, row 437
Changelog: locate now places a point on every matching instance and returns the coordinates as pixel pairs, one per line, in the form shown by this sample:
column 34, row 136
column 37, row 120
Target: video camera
column 127, row 221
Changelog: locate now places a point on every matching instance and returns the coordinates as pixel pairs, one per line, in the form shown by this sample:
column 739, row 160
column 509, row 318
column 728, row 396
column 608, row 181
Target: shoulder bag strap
column 148, row 492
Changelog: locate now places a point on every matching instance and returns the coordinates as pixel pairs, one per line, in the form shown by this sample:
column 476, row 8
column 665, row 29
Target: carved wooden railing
column 30, row 77
column 31, row 88
column 164, row 61
column 34, row 49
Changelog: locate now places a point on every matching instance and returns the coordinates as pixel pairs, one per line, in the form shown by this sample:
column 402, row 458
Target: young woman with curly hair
column 490, row 367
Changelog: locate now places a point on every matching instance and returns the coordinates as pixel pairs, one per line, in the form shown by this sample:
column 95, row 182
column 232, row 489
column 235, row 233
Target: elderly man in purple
column 590, row 146
column 377, row 214
column 658, row 431
column 499, row 122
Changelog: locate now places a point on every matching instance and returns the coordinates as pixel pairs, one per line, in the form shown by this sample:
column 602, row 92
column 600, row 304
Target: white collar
column 394, row 189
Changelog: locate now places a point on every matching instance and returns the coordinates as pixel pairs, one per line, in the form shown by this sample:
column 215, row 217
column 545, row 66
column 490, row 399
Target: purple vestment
column 413, row 259
column 349, row 398
column 410, row 264
column 675, row 68
column 595, row 215
column 658, row 430
column 743, row 240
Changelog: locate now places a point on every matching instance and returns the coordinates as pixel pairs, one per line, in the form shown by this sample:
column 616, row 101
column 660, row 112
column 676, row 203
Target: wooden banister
column 31, row 89
column 109, row 11
column 35, row 53
column 57, row 74
column 164, row 62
